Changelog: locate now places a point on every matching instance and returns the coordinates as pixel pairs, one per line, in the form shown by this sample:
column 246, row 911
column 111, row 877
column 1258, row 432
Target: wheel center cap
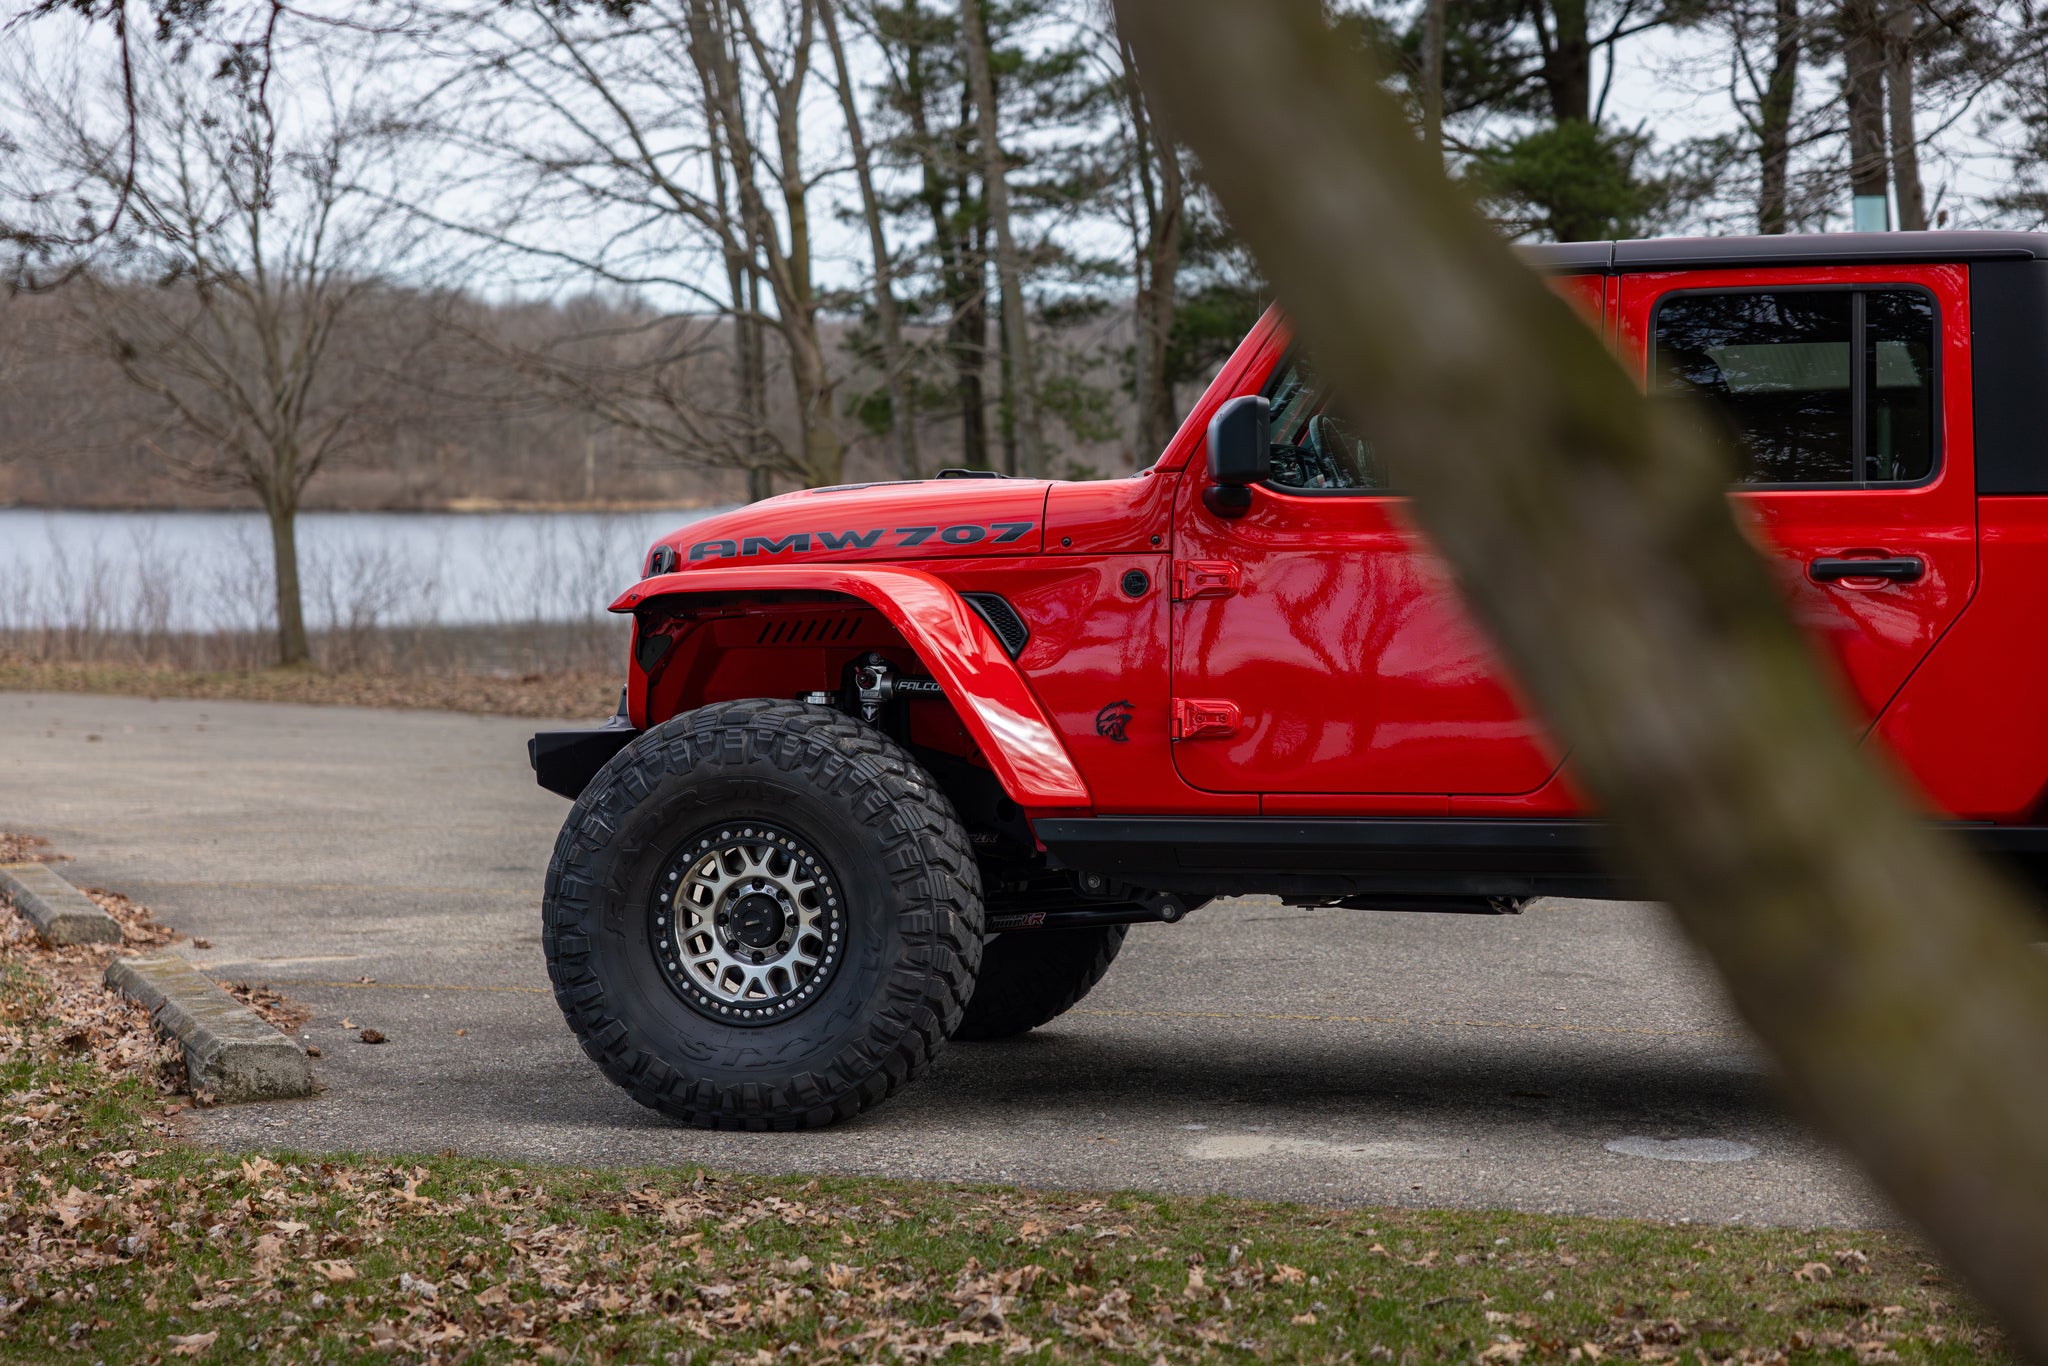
column 757, row 921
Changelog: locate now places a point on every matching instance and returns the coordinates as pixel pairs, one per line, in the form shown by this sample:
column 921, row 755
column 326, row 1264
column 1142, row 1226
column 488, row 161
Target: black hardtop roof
column 1790, row 249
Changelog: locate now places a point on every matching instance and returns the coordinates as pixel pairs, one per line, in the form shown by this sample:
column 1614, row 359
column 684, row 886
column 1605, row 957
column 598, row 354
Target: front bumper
column 565, row 761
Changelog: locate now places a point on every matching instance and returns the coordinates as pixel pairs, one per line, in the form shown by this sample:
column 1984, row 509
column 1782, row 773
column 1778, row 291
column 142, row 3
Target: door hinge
column 1202, row 718
column 1204, row 579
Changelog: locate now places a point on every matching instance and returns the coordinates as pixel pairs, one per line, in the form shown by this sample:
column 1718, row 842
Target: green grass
column 119, row 1243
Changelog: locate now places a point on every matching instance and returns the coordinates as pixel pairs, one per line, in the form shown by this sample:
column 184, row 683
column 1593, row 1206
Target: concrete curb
column 229, row 1049
column 62, row 915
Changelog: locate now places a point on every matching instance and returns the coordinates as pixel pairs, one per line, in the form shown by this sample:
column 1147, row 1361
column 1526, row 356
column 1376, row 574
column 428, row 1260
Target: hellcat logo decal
column 803, row 542
column 1112, row 720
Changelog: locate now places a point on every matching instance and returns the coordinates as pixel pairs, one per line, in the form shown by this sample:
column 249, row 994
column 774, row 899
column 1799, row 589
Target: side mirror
column 1240, row 454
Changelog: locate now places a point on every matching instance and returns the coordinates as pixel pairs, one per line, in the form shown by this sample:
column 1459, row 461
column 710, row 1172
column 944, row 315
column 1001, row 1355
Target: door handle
column 1898, row 569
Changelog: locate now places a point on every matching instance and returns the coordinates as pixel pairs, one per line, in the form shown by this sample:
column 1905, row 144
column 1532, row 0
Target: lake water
column 203, row 571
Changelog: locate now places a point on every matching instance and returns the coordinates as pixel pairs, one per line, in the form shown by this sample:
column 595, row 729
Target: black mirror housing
column 1240, row 454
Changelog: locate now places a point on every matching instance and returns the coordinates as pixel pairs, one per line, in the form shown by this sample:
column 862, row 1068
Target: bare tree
column 1433, row 75
column 220, row 291
column 1863, row 69
column 1019, row 366
column 1594, row 538
column 1899, row 56
column 895, row 351
column 1158, row 224
column 1777, row 104
column 660, row 149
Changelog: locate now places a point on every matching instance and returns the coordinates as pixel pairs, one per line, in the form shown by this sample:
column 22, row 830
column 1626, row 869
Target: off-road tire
column 912, row 916
column 1030, row 977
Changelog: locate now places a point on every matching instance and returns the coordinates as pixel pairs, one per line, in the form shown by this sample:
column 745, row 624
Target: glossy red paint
column 1872, row 633
column 1110, row 516
column 1097, row 662
column 1347, row 649
column 932, row 519
column 1975, row 744
column 994, row 704
column 1350, row 655
column 1361, row 685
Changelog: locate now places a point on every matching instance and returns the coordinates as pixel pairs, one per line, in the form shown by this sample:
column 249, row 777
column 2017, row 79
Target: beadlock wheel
column 748, row 926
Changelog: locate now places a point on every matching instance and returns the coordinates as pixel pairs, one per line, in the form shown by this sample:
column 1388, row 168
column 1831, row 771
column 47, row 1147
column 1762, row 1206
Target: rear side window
column 1808, row 386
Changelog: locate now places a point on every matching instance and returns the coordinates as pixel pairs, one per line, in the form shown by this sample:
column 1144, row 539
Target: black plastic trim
column 1216, row 856
column 564, row 761
column 2009, row 375
column 1791, row 249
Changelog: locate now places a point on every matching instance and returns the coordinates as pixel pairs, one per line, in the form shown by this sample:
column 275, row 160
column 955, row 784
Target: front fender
column 980, row 680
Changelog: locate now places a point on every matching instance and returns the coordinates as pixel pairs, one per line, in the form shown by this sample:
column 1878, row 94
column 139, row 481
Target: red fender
column 981, row 681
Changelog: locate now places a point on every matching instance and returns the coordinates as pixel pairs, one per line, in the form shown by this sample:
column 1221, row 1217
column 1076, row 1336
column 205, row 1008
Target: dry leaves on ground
column 27, row 849
column 280, row 1011
column 139, row 928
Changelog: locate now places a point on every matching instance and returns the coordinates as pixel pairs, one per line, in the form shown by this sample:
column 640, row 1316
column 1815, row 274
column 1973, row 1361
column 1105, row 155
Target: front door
column 1843, row 403
column 1319, row 645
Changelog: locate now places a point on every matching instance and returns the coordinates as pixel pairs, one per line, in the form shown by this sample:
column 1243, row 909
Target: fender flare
column 982, row 682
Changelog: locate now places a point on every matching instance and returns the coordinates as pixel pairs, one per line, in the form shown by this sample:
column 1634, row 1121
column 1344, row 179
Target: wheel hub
column 748, row 925
column 758, row 920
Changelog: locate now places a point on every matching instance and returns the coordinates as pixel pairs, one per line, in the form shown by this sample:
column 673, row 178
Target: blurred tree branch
column 1886, row 969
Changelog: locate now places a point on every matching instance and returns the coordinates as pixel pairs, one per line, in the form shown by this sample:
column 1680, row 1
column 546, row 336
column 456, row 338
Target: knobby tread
column 1030, row 977
column 923, row 857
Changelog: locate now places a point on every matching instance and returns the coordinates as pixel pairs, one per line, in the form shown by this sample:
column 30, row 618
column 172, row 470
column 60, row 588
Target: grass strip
column 121, row 1243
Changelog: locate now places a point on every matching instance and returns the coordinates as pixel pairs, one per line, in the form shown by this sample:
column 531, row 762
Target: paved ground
column 384, row 868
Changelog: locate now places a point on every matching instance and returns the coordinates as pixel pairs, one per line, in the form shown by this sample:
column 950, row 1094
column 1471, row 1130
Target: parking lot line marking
column 340, row 887
column 1249, row 1016
column 399, row 986
column 1261, row 1018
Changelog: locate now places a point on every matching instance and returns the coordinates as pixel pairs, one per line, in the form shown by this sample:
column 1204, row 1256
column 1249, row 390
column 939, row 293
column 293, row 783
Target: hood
column 920, row 520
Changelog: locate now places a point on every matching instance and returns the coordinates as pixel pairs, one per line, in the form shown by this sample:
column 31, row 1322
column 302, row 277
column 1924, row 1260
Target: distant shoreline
column 452, row 505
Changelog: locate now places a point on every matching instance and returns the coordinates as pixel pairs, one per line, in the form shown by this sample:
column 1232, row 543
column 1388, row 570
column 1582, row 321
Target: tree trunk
column 1898, row 74
column 1887, row 971
column 1863, row 48
column 1568, row 63
column 962, row 274
column 1021, row 374
column 743, row 281
column 1774, row 121
column 895, row 358
column 1161, row 195
column 1433, row 76
column 283, row 512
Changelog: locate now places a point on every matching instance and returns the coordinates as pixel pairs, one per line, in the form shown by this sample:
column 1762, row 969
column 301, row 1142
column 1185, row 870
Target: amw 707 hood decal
column 799, row 542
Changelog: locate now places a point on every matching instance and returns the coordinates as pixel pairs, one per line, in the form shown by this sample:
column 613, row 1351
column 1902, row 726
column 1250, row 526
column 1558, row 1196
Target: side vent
column 830, row 630
column 1002, row 619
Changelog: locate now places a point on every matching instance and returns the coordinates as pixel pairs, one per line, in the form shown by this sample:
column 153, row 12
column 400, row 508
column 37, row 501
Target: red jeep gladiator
column 902, row 762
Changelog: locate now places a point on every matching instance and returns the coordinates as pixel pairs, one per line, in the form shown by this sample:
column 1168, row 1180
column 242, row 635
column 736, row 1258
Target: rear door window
column 1807, row 386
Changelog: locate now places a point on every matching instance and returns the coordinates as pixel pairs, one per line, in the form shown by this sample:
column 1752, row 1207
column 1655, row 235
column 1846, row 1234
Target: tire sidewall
column 887, row 837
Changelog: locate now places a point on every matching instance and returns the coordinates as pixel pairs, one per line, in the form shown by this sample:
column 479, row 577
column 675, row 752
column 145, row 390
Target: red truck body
column 898, row 763
column 1310, row 660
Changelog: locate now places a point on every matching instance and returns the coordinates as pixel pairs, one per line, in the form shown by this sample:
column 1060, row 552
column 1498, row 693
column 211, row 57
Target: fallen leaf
column 1814, row 1271
column 371, row 1036
column 336, row 1271
column 192, row 1344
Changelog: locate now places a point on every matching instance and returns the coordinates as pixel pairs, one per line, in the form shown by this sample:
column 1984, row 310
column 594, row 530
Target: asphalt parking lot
column 384, row 868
